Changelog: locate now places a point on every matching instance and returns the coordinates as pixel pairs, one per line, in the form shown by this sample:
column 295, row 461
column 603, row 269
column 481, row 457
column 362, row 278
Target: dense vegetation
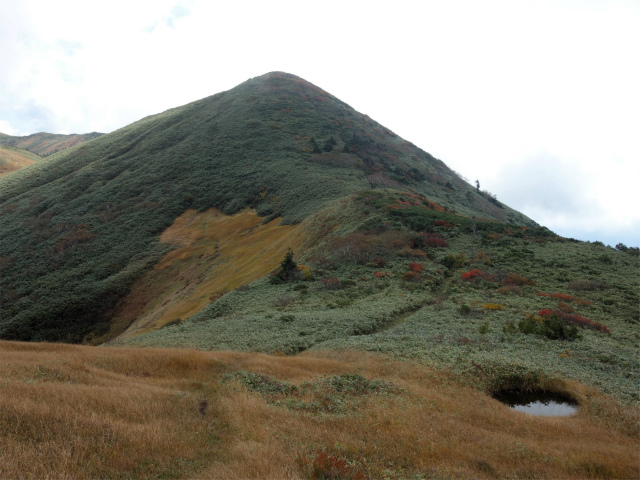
column 406, row 278
column 81, row 227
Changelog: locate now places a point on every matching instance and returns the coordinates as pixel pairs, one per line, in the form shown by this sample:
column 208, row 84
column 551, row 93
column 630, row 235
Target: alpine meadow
column 266, row 283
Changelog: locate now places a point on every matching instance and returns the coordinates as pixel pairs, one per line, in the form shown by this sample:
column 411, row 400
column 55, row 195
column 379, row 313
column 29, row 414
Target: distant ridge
column 44, row 144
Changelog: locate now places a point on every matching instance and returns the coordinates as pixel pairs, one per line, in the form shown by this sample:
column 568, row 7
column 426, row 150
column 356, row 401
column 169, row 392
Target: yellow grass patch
column 95, row 412
column 215, row 253
column 12, row 159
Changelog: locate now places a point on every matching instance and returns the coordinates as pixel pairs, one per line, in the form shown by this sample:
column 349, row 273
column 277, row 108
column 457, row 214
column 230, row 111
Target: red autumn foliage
column 564, row 296
column 565, row 307
column 379, row 262
column 381, row 274
column 575, row 320
column 434, row 240
column 476, row 273
column 326, row 466
column 411, row 277
column 416, row 267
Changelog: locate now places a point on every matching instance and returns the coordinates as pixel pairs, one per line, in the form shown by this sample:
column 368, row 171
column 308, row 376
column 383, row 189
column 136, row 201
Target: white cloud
column 481, row 85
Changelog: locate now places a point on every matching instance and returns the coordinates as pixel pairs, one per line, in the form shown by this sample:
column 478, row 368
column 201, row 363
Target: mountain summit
column 79, row 229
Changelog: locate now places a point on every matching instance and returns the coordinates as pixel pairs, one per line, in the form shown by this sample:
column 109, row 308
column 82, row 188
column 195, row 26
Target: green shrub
column 551, row 327
column 288, row 270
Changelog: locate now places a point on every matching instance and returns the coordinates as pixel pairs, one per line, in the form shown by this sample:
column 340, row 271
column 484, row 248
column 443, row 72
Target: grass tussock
column 87, row 412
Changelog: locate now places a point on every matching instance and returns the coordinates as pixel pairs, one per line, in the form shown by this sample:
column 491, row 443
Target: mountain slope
column 92, row 215
column 399, row 276
column 12, row 159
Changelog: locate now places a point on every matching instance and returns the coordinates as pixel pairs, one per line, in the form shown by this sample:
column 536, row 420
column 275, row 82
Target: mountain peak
column 276, row 144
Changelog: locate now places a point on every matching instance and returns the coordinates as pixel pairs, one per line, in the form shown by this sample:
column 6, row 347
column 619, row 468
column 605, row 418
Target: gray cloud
column 546, row 183
column 556, row 193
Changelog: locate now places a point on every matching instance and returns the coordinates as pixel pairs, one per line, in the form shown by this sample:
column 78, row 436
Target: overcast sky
column 538, row 100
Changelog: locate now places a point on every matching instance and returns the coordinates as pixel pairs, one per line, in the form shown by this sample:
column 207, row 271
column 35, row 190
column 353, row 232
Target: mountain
column 92, row 214
column 168, row 232
column 44, row 144
column 320, row 274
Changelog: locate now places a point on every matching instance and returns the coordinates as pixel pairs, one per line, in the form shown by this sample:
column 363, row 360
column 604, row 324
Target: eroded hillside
column 215, row 253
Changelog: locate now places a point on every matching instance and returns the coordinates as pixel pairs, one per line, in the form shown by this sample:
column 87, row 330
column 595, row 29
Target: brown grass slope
column 92, row 412
column 12, row 159
column 215, row 253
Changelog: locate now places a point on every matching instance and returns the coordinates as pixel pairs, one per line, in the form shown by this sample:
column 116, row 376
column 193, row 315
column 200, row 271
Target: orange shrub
column 493, row 306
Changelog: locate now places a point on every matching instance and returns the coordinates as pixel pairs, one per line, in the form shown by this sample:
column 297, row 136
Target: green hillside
column 79, row 229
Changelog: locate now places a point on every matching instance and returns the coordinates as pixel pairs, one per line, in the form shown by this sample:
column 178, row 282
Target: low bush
column 509, row 289
column 329, row 467
column 263, row 384
column 379, row 262
column 453, row 262
column 576, row 320
column 589, row 285
column 332, row 283
column 517, row 280
column 476, row 273
column 411, row 277
column 416, row 267
column 565, row 297
column 493, row 306
column 549, row 326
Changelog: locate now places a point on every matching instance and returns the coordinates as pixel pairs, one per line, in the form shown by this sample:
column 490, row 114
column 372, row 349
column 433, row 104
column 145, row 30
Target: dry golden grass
column 216, row 253
column 12, row 159
column 92, row 412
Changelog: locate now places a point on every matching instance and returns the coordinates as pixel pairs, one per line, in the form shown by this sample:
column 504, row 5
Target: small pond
column 539, row 403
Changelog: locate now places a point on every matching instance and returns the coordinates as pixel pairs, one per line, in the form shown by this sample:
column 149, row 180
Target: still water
column 539, row 403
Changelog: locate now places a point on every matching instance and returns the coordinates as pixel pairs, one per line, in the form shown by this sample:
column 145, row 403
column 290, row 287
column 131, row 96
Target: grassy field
column 96, row 412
